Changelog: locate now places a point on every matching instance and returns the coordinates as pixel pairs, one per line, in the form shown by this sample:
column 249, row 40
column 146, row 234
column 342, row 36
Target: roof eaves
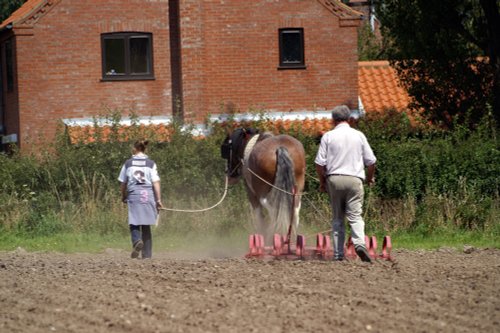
column 341, row 10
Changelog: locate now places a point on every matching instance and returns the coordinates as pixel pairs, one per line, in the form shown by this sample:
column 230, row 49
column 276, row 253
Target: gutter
column 7, row 27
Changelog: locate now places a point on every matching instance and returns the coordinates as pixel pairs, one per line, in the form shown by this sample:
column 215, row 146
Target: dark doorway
column 2, row 100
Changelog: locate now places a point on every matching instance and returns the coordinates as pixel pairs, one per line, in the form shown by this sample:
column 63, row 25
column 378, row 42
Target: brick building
column 73, row 59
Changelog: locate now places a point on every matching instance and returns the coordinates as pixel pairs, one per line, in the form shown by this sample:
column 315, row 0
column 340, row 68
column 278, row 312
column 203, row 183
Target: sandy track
column 438, row 291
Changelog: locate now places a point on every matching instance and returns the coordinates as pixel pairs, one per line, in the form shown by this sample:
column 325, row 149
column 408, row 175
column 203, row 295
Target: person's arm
column 369, row 160
column 157, row 193
column 123, row 189
column 370, row 177
column 320, row 170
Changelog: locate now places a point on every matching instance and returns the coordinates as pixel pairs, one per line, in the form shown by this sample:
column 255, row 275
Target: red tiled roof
column 23, row 12
column 163, row 132
column 379, row 87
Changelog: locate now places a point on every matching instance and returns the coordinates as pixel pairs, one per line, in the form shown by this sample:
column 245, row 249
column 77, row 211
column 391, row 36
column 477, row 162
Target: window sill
column 292, row 67
column 128, row 78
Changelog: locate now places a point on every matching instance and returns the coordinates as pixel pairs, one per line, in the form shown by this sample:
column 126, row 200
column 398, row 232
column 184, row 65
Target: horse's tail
column 280, row 198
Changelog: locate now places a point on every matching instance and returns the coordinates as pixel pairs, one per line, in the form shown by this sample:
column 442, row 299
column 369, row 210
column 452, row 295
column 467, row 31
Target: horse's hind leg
column 260, row 221
column 258, row 215
column 296, row 214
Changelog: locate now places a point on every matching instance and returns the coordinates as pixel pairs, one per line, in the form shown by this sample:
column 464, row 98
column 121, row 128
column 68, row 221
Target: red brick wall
column 59, row 65
column 230, row 57
column 231, row 54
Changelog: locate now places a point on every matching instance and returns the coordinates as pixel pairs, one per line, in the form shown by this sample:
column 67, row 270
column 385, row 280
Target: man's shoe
column 338, row 259
column 137, row 249
column 363, row 254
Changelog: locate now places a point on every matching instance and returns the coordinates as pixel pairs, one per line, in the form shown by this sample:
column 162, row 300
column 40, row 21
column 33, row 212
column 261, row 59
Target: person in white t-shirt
column 140, row 188
column 342, row 157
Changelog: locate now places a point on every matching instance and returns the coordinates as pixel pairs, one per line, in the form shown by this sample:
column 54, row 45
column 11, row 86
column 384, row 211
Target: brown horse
column 273, row 168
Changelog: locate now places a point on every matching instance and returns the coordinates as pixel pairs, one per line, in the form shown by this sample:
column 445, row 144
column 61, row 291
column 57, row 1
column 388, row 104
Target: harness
column 232, row 145
column 249, row 147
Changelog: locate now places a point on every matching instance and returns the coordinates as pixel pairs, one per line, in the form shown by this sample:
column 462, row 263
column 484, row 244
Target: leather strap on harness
column 249, row 147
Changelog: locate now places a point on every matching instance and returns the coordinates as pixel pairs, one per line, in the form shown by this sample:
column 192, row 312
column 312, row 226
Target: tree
column 7, row 7
column 447, row 55
column 370, row 45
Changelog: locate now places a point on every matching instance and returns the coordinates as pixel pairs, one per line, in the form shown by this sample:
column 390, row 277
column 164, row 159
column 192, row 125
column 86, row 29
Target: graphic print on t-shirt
column 139, row 177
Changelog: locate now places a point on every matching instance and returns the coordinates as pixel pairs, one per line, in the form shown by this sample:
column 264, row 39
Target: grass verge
column 217, row 246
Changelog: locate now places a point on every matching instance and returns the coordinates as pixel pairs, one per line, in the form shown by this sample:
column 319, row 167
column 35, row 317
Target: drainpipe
column 372, row 16
column 7, row 27
column 174, row 20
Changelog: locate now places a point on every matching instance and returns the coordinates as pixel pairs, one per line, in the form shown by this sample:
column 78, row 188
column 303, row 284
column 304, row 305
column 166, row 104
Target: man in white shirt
column 342, row 156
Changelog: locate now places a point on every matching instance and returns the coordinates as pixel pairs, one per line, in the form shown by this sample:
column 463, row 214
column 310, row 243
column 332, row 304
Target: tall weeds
column 427, row 181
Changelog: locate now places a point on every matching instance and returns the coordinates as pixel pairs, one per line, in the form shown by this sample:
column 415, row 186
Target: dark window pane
column 127, row 56
column 292, row 49
column 115, row 56
column 139, row 60
column 10, row 66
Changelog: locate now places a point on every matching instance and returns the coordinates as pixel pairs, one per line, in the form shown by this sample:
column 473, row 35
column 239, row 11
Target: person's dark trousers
column 142, row 232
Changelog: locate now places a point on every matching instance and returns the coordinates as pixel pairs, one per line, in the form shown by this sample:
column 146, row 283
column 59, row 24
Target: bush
column 427, row 180
column 416, row 162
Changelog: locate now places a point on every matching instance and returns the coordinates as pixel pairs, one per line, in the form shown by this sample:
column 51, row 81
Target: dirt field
column 439, row 291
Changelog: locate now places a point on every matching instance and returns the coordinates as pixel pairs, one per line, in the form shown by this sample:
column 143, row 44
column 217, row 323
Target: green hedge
column 419, row 167
column 415, row 163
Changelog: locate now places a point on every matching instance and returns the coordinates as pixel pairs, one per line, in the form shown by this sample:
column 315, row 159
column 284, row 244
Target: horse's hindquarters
column 273, row 172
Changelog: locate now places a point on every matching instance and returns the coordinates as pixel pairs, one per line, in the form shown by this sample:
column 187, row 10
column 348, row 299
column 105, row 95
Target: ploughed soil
column 420, row 291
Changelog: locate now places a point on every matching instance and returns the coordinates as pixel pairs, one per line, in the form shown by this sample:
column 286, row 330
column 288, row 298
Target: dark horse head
column 233, row 148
